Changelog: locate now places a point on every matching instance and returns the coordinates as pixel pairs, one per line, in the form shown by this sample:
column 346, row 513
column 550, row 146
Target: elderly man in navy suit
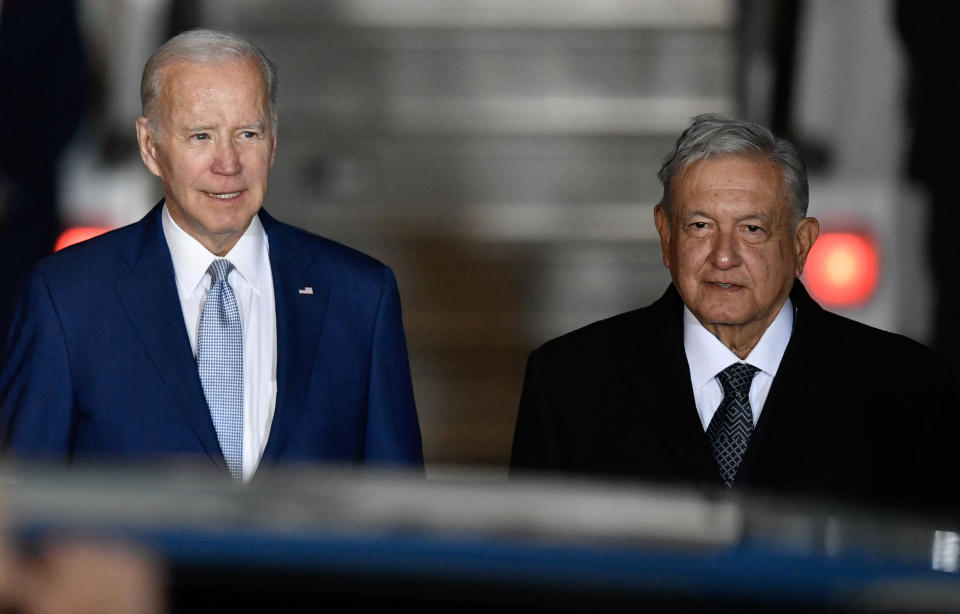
column 208, row 329
column 736, row 377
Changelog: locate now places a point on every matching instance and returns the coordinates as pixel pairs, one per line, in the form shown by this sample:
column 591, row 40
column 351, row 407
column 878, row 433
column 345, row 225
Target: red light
column 842, row 269
column 77, row 234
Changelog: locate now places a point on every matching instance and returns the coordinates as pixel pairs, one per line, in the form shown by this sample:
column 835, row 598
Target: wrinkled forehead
column 185, row 81
column 732, row 178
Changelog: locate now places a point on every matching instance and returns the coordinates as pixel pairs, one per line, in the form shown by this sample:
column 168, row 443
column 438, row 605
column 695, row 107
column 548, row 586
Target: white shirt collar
column 708, row 356
column 191, row 259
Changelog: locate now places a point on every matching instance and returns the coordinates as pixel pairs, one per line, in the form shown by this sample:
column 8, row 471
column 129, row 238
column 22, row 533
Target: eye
column 753, row 232
column 201, row 136
column 249, row 134
column 700, row 228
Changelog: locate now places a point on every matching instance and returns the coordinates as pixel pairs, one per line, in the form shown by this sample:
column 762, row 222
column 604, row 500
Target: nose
column 726, row 253
column 226, row 159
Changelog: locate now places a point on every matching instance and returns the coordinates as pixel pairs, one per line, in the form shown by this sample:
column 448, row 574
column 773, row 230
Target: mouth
column 723, row 285
column 222, row 195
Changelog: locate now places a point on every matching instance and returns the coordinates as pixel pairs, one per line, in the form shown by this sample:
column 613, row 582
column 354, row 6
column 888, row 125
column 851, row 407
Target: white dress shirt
column 252, row 282
column 707, row 356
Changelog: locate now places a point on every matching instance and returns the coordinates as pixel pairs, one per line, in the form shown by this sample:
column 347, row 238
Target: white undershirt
column 252, row 282
column 708, row 356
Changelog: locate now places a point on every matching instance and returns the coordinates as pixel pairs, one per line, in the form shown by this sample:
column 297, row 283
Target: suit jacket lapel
column 657, row 367
column 300, row 320
column 149, row 295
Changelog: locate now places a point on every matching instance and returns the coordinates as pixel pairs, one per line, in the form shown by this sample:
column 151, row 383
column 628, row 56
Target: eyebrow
column 258, row 125
column 751, row 216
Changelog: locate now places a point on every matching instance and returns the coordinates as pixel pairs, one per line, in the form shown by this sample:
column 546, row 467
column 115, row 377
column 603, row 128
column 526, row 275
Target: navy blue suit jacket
column 99, row 366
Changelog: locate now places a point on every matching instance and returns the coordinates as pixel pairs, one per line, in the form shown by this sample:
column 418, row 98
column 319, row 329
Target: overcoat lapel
column 300, row 318
column 148, row 293
column 660, row 376
column 794, row 413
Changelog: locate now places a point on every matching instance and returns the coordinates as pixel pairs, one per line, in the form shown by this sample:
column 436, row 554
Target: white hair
column 204, row 45
column 712, row 134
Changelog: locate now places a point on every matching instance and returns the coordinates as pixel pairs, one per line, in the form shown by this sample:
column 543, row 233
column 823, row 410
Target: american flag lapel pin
column 306, row 290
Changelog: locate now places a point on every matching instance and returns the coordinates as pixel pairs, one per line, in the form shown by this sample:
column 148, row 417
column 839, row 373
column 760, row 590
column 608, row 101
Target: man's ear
column 662, row 220
column 804, row 237
column 148, row 146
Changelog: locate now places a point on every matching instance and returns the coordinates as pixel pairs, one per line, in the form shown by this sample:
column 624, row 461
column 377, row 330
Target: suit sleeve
column 36, row 396
column 392, row 431
column 534, row 438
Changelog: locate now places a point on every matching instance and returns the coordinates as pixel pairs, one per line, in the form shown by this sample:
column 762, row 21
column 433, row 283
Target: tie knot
column 737, row 378
column 219, row 269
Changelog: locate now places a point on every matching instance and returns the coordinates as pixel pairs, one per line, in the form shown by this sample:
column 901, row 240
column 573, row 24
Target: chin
column 233, row 221
column 725, row 316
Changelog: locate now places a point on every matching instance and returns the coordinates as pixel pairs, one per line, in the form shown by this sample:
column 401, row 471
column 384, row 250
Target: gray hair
column 204, row 45
column 715, row 135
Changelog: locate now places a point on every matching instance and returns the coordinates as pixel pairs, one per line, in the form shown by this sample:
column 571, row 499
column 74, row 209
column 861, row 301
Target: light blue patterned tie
column 220, row 363
column 732, row 424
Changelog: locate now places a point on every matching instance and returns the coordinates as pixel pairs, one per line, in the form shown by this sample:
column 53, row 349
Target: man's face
column 213, row 149
column 729, row 246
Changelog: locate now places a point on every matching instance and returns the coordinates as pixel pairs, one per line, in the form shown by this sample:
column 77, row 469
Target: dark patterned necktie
column 220, row 363
column 732, row 423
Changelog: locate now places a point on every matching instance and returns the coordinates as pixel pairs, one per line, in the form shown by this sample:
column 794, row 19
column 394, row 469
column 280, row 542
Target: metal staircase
column 500, row 155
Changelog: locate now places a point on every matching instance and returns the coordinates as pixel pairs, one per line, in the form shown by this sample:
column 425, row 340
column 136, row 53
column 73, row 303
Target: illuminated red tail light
column 77, row 234
column 842, row 269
